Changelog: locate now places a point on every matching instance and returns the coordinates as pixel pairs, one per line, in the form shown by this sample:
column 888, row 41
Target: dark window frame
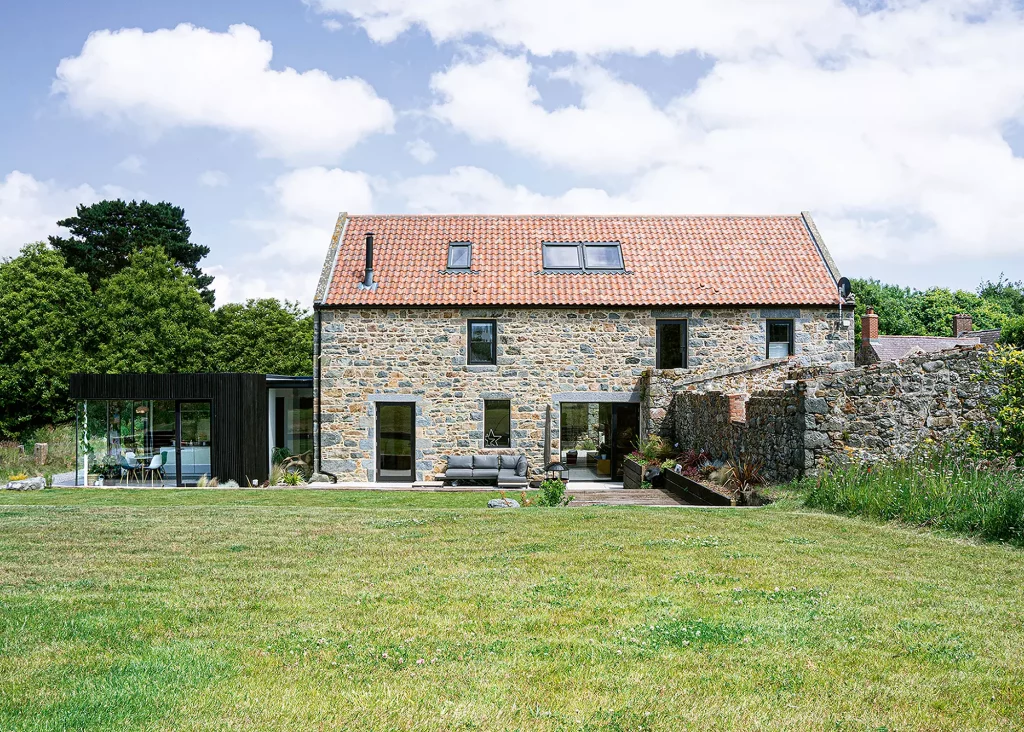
column 685, row 340
column 377, row 438
column 494, row 342
column 581, row 255
column 508, row 438
column 768, row 335
column 561, row 245
column 459, row 245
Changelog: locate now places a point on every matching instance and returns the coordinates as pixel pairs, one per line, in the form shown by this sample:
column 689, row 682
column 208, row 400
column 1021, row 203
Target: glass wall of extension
column 596, row 437
column 144, row 442
column 190, row 429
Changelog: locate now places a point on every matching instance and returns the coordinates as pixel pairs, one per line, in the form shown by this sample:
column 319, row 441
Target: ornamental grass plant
column 935, row 489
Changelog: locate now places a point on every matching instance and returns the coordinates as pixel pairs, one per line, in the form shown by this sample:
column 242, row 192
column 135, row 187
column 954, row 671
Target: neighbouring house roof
column 668, row 261
column 894, row 348
column 987, row 337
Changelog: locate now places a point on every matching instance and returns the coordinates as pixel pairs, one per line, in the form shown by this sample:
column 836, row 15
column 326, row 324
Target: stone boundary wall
column 827, row 416
column 770, row 433
column 890, row 408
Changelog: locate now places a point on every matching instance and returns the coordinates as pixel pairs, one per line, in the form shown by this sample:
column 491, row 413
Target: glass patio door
column 625, row 431
column 195, row 442
column 396, row 442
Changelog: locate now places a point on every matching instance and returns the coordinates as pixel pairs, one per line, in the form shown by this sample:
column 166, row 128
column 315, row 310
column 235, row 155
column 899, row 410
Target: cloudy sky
column 898, row 123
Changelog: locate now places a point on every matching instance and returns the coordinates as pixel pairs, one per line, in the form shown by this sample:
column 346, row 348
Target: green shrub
column 552, row 493
column 936, row 490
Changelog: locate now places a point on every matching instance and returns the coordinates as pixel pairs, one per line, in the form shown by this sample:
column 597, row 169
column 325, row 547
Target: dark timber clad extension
column 238, row 404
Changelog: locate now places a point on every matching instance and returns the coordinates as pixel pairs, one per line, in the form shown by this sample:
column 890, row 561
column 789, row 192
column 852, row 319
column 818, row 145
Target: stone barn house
column 441, row 335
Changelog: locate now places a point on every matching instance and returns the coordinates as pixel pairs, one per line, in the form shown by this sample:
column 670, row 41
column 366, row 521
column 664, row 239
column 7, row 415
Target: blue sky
column 900, row 126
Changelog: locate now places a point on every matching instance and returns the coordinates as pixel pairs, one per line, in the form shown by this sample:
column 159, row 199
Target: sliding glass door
column 596, row 437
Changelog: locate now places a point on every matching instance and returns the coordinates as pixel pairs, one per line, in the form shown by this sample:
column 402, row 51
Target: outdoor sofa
column 509, row 471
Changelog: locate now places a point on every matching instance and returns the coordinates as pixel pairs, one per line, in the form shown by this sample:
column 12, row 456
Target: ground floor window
column 291, row 425
column 497, row 423
column 780, row 338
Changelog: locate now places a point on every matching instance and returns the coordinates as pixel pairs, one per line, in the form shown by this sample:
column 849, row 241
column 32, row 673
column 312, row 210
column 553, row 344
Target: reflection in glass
column 395, row 441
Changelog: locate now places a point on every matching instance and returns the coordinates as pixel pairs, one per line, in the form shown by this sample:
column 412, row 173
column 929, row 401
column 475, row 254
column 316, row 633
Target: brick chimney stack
column 868, row 326
column 962, row 324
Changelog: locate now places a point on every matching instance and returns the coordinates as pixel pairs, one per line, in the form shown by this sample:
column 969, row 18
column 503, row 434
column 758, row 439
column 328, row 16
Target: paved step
column 622, row 497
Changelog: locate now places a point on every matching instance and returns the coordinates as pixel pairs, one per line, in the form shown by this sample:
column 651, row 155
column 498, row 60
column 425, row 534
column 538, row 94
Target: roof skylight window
column 460, row 256
column 605, row 256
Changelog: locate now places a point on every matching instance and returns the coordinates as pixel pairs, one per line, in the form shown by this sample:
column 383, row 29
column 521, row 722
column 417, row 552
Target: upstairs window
column 605, row 256
column 460, row 256
column 482, row 349
column 671, row 344
column 780, row 338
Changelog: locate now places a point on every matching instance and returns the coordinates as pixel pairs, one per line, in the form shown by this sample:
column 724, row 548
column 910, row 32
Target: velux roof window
column 605, row 256
column 460, row 256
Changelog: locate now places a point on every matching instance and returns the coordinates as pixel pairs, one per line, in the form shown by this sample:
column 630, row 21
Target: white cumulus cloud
column 589, row 27
column 421, row 151
column 293, row 236
column 194, row 77
column 30, row 209
column 892, row 132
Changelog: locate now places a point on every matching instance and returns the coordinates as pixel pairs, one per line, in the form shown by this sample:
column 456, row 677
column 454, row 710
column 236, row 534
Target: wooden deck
column 621, row 497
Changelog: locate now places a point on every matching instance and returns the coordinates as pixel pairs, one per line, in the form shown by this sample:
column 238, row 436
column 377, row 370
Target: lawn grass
column 291, row 610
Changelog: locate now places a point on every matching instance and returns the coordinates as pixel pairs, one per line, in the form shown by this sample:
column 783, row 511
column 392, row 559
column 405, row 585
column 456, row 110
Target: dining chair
column 155, row 467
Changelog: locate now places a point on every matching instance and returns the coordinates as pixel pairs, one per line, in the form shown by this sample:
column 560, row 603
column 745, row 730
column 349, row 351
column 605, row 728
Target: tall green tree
column 46, row 311
column 1007, row 295
column 265, row 337
column 1013, row 333
column 153, row 319
column 106, row 234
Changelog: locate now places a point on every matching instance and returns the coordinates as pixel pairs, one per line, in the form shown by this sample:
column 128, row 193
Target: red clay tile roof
column 669, row 261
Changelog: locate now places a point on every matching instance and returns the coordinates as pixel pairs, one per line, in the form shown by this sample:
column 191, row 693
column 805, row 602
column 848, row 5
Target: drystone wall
column 828, row 415
column 890, row 408
column 770, row 433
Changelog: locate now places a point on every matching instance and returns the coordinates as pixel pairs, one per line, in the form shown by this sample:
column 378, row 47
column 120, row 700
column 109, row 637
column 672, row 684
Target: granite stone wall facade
column 546, row 356
column 833, row 415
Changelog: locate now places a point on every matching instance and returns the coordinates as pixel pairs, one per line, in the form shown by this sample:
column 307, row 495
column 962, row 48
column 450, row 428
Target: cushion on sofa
column 509, row 462
column 485, row 462
column 453, row 473
column 509, row 476
column 485, row 473
column 460, row 461
column 521, row 466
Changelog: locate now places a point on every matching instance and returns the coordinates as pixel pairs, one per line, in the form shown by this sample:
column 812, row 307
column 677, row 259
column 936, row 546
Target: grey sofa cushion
column 509, row 476
column 485, row 472
column 485, row 462
column 460, row 461
column 453, row 473
column 521, row 466
column 509, row 462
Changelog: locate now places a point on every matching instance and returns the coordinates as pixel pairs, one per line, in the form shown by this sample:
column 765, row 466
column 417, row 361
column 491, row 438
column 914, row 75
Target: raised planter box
column 632, row 474
column 691, row 491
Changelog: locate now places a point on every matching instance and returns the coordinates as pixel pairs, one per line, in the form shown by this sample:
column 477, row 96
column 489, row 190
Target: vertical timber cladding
column 238, row 404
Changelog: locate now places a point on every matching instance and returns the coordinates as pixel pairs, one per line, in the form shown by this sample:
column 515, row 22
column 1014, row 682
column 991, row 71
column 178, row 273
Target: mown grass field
column 293, row 610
